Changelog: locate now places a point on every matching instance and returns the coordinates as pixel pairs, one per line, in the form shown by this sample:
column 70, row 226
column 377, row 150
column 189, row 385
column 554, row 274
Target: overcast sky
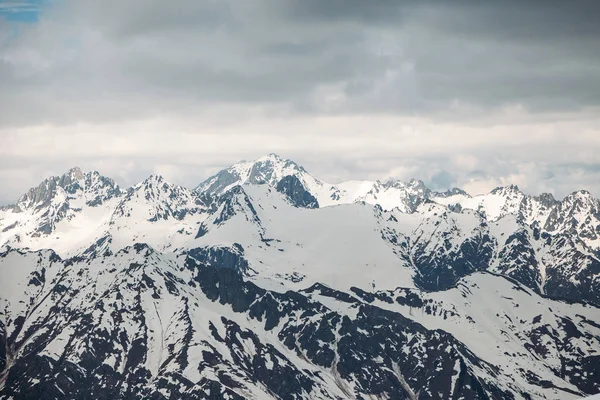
column 463, row 93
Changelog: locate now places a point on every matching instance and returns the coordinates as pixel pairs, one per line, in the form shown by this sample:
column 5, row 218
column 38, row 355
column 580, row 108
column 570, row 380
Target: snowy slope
column 140, row 323
column 266, row 282
column 529, row 338
column 498, row 203
column 340, row 246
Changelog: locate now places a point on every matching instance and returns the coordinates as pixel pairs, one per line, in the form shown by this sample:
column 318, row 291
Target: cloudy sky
column 464, row 93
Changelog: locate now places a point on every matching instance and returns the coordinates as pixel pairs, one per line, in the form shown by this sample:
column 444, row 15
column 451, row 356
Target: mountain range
column 267, row 282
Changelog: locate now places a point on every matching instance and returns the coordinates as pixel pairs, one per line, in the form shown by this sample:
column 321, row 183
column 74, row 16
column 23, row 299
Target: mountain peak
column 270, row 156
column 269, row 169
column 581, row 197
column 73, row 183
column 275, row 159
column 581, row 193
column 452, row 192
column 506, row 189
column 156, row 183
column 157, row 199
column 75, row 173
column 154, row 178
column 395, row 183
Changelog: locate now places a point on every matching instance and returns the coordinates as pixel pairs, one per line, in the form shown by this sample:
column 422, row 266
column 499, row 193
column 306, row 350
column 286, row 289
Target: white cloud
column 537, row 157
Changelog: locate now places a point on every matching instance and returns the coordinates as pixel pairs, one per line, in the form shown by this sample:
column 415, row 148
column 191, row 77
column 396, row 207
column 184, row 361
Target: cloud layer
column 466, row 93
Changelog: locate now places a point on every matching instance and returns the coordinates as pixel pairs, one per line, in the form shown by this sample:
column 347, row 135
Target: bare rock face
column 296, row 193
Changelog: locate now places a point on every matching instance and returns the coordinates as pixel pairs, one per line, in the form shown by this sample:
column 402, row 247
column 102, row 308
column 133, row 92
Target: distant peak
column 456, row 190
column 274, row 158
column 93, row 186
column 506, row 189
column 153, row 181
column 394, row 183
column 416, row 182
column 75, row 172
column 452, row 192
column 581, row 194
column 269, row 169
column 273, row 162
column 154, row 178
column 273, row 155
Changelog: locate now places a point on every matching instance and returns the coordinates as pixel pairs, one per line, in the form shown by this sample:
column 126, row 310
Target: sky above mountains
column 469, row 94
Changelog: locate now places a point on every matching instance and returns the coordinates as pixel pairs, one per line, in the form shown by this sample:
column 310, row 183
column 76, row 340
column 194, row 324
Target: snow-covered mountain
column 266, row 282
column 271, row 169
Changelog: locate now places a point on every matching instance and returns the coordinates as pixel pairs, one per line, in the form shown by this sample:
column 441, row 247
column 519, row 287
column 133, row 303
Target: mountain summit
column 90, row 187
column 269, row 169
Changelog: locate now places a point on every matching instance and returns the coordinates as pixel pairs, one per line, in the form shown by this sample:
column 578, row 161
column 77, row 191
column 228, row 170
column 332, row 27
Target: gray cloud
column 463, row 93
column 119, row 60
